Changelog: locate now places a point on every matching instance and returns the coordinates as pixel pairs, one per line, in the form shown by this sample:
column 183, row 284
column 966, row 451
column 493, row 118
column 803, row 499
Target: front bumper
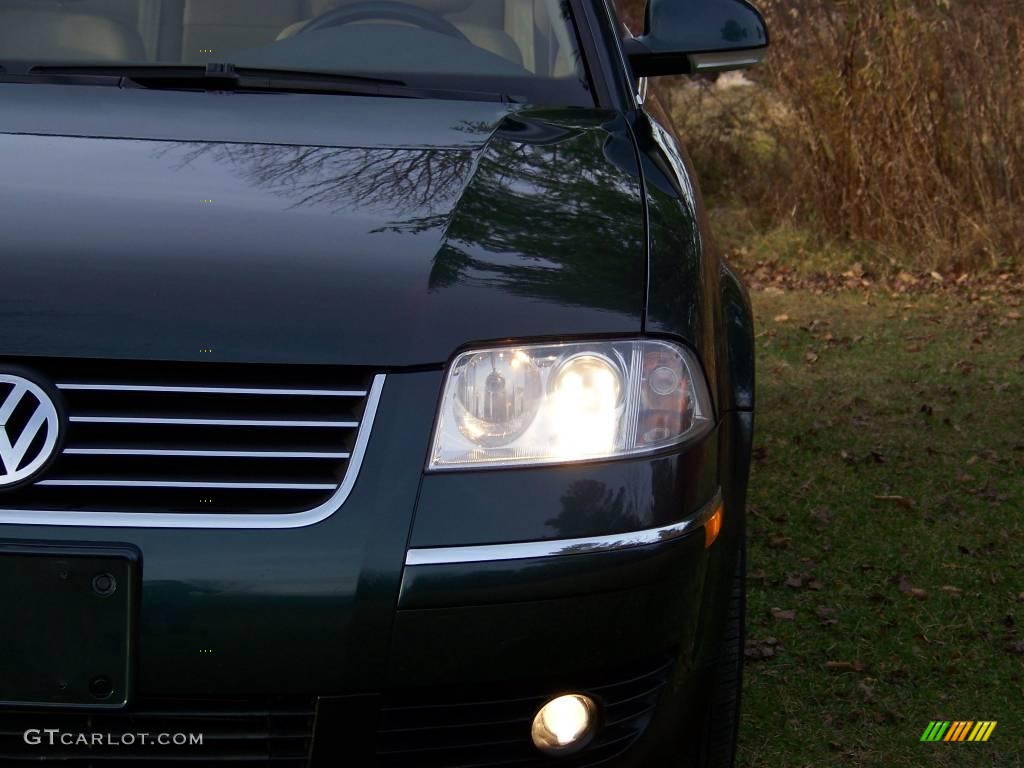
column 326, row 629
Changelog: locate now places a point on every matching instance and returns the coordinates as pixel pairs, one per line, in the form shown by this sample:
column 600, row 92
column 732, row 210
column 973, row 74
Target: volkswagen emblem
column 29, row 428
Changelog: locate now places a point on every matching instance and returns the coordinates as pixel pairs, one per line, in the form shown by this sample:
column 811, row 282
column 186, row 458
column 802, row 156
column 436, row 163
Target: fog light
column 565, row 724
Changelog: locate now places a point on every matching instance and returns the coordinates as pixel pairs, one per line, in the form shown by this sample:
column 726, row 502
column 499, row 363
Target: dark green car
column 371, row 390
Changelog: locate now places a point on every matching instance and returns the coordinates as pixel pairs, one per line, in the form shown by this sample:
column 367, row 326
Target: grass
column 886, row 563
column 751, row 239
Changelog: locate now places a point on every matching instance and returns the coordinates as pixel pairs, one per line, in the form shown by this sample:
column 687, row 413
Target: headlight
column 539, row 404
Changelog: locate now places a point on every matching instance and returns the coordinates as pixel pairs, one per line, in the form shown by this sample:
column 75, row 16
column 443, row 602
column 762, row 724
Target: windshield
column 524, row 48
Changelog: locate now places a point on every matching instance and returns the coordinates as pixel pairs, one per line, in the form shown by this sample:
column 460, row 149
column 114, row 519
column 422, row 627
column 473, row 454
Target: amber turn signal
column 713, row 527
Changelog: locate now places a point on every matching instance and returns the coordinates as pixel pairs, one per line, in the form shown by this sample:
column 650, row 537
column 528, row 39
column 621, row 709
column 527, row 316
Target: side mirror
column 693, row 36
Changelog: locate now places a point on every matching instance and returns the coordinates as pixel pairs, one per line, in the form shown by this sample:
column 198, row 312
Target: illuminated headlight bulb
column 565, row 724
column 586, row 394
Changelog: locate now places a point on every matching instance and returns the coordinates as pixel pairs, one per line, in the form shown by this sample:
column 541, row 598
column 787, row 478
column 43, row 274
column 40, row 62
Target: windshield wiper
column 228, row 77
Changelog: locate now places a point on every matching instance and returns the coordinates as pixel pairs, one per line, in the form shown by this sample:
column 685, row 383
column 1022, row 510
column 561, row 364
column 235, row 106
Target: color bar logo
column 958, row 730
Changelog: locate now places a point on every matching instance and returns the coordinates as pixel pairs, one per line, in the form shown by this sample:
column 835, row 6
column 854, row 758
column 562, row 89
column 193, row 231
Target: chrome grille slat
column 213, row 390
column 212, row 422
column 86, row 483
column 199, row 445
column 209, row 454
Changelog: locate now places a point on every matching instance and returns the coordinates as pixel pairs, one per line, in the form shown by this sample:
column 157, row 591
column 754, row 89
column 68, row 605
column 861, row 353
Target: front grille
column 462, row 731
column 189, row 439
column 242, row 733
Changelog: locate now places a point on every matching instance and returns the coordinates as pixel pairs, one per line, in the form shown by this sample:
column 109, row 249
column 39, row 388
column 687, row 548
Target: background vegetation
column 891, row 131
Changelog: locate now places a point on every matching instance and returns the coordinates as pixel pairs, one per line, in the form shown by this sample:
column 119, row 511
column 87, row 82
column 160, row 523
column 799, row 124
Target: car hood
column 309, row 228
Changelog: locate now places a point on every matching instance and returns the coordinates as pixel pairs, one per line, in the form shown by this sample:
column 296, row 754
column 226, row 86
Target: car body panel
column 576, row 501
column 328, row 120
column 578, row 631
column 543, row 578
column 273, row 253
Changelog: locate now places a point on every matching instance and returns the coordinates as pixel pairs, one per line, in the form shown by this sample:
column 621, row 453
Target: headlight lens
column 540, row 404
column 497, row 395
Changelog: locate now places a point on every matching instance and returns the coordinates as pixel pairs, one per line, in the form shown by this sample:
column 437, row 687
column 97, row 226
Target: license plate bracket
column 68, row 613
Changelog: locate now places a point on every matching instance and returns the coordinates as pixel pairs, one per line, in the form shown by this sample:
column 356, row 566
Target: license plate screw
column 104, row 584
column 100, row 687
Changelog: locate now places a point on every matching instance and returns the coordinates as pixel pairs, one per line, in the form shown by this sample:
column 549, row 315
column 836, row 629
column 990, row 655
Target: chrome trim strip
column 210, row 422
column 559, row 547
column 188, row 484
column 245, row 521
column 213, row 390
column 723, row 61
column 211, row 454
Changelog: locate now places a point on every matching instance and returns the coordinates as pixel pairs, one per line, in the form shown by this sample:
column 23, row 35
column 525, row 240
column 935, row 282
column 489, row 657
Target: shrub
column 897, row 122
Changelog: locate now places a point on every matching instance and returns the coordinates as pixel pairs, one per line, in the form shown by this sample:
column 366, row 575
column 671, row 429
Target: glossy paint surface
column 568, row 502
column 369, row 251
column 635, row 608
